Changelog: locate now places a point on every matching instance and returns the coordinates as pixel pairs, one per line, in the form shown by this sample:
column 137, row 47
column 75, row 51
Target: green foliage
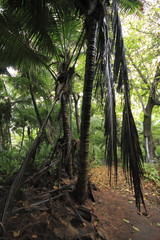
column 152, row 172
column 43, row 153
column 158, row 152
column 131, row 6
column 10, row 162
column 97, row 144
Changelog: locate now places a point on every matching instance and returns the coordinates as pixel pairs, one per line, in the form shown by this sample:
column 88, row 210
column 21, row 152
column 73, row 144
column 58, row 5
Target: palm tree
column 91, row 29
column 97, row 23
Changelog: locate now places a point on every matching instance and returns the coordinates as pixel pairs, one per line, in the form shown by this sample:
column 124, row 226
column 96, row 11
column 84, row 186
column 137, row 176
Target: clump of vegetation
column 152, row 172
column 9, row 164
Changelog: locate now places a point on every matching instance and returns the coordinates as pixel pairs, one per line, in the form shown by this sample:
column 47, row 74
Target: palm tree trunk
column 81, row 187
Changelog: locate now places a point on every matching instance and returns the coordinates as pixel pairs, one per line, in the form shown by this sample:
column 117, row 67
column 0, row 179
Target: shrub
column 152, row 172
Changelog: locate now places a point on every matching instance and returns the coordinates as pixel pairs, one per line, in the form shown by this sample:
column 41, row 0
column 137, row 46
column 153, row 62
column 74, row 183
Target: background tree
column 142, row 43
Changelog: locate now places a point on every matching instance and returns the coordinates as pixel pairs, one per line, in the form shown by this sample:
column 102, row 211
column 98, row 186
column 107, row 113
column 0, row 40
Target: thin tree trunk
column 22, row 139
column 81, row 187
column 5, row 125
column 152, row 101
column 76, row 112
column 147, row 122
column 36, row 108
column 67, row 135
column 148, row 140
column 35, row 105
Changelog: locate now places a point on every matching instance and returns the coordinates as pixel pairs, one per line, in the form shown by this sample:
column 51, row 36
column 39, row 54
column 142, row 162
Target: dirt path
column 118, row 218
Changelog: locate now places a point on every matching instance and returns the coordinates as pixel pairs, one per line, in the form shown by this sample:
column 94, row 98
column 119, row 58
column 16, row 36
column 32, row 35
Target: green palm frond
column 131, row 6
column 14, row 50
column 41, row 20
column 33, row 32
column 35, row 18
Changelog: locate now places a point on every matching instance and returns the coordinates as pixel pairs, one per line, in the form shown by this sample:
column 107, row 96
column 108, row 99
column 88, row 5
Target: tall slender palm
column 97, row 24
column 91, row 29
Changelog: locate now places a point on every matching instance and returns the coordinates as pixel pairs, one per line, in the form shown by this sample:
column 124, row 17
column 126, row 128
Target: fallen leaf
column 125, row 220
column 15, row 216
column 34, row 236
column 158, row 224
column 25, row 203
column 84, row 224
column 95, row 223
column 43, row 213
column 127, row 190
column 135, row 228
column 16, row 233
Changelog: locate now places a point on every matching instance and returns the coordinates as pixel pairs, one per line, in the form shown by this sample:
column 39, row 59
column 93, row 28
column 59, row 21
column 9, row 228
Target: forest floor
column 51, row 214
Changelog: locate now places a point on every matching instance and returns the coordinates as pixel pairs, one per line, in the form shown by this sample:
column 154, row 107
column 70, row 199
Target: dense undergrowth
column 10, row 163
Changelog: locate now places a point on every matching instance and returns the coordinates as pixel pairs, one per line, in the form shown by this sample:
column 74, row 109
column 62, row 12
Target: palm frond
column 111, row 128
column 131, row 152
column 110, row 113
column 131, row 6
column 41, row 19
column 37, row 30
column 105, row 84
column 15, row 48
column 34, row 17
column 12, row 43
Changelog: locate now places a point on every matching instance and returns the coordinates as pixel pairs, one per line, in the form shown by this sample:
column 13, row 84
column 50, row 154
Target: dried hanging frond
column 110, row 113
column 130, row 147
